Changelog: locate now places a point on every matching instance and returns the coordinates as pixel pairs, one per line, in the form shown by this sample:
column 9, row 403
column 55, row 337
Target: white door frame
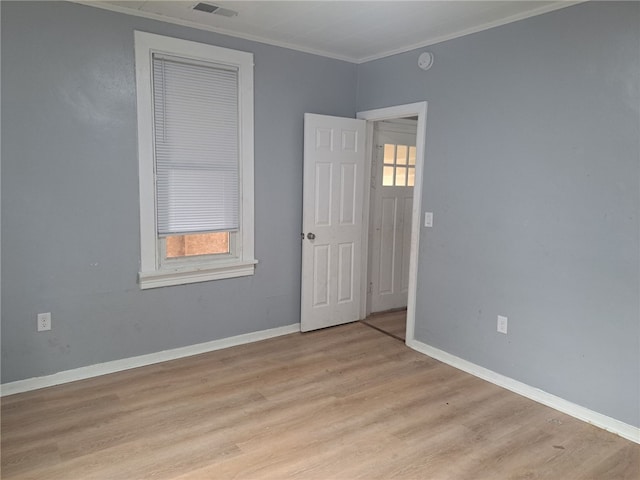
column 418, row 109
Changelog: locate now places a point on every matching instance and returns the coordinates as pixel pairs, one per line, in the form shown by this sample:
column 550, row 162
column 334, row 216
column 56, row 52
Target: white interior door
column 333, row 197
column 393, row 179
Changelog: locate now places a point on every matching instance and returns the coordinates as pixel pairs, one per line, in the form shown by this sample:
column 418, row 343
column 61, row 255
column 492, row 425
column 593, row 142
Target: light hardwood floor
column 340, row 403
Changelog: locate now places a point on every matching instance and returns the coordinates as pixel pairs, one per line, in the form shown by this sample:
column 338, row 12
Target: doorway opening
column 393, row 166
column 393, row 163
column 395, row 142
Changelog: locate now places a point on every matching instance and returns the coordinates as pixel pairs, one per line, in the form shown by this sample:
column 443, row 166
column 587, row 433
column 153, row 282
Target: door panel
column 345, row 281
column 387, row 234
column 321, row 255
column 323, row 194
column 348, row 194
column 334, row 155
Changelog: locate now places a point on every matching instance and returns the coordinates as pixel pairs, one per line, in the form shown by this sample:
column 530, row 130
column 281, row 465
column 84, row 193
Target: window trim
column 152, row 272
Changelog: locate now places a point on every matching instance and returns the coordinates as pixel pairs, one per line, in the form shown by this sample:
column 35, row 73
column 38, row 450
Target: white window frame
column 154, row 270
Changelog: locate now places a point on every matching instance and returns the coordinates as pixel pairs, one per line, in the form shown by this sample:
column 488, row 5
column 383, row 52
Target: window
column 399, row 165
column 195, row 154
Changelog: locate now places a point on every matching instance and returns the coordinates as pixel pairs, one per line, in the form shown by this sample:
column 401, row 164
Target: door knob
column 311, row 236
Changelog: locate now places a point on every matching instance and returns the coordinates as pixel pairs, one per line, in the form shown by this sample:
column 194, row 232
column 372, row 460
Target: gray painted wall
column 70, row 223
column 532, row 172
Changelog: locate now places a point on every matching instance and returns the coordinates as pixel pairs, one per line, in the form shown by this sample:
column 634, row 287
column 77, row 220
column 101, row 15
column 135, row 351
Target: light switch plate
column 502, row 324
column 428, row 219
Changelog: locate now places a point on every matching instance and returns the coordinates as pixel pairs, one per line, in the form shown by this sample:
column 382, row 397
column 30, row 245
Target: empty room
column 320, row 239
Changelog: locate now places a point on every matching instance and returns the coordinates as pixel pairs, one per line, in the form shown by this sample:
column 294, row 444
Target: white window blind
column 196, row 146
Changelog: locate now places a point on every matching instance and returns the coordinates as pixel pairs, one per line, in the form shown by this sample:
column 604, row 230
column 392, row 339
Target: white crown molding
column 478, row 28
column 199, row 26
column 346, row 58
column 581, row 413
column 96, row 370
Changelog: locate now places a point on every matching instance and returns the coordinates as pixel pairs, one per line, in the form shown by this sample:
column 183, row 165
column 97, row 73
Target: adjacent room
column 320, row 240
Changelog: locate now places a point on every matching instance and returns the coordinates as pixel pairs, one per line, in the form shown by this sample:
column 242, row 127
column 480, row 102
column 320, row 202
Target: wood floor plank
column 342, row 403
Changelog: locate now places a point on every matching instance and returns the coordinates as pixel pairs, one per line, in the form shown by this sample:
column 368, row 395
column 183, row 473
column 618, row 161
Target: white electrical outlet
column 502, row 324
column 44, row 321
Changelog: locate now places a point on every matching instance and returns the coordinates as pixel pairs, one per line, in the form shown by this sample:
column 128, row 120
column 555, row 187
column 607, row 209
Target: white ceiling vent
column 210, row 8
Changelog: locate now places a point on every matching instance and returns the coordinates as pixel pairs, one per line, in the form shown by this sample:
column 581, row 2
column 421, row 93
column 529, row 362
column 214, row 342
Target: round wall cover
column 425, row 60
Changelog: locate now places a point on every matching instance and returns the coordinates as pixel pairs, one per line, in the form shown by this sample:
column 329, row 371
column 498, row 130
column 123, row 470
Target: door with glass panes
column 393, row 178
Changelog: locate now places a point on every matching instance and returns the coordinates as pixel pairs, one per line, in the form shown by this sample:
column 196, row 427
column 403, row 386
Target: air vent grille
column 205, row 7
column 210, row 8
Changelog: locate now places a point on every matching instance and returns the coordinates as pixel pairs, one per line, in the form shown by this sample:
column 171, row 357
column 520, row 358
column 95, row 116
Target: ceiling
column 355, row 31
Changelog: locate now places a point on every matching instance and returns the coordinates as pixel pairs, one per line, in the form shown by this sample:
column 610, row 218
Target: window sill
column 166, row 278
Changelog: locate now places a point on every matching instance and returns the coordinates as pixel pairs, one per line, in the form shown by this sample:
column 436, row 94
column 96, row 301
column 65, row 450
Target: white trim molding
column 577, row 411
column 546, row 8
column 164, row 278
column 96, row 370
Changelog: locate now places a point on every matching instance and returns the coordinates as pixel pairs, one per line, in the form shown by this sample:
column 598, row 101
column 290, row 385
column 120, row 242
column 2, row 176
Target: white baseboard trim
column 582, row 413
column 141, row 361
